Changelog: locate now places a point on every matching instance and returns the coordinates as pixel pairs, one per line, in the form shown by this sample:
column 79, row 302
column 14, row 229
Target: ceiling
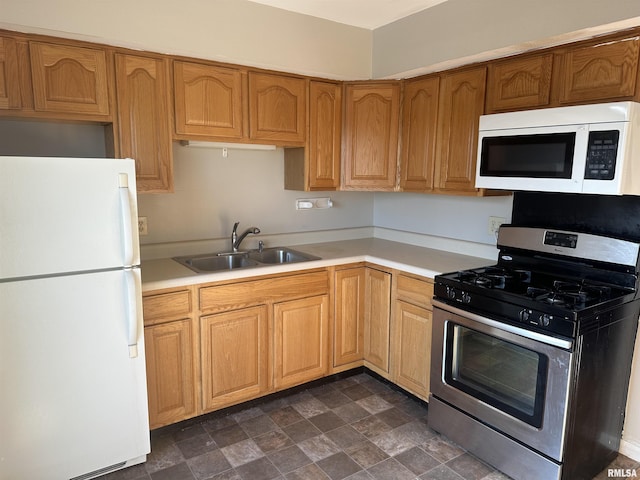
column 369, row 14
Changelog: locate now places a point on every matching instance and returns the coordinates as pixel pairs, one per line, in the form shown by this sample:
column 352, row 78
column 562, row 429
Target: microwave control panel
column 601, row 155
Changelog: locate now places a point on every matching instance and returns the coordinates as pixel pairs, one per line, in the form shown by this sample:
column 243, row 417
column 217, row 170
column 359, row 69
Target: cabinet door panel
column 605, row 71
column 325, row 112
column 519, row 83
column 412, row 348
column 348, row 343
column 371, row 142
column 301, row 336
column 69, row 79
column 208, row 100
column 376, row 343
column 235, row 351
column 419, row 123
column 144, row 121
column 277, row 108
column 170, row 372
column 9, row 75
column 461, row 104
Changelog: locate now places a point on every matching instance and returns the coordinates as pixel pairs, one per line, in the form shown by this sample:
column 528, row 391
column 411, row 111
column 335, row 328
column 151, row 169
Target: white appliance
column 73, row 400
column 576, row 149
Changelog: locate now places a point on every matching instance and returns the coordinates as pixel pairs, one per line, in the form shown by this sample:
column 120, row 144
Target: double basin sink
column 218, row 262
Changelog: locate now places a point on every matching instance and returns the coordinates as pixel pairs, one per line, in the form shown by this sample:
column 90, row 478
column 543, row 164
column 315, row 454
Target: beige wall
column 233, row 31
column 461, row 31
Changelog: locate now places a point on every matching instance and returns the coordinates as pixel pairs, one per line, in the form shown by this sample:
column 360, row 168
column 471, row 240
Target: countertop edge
column 161, row 274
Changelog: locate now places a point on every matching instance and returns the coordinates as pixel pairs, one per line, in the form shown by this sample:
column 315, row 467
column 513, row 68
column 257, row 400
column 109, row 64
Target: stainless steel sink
column 217, row 262
column 280, row 255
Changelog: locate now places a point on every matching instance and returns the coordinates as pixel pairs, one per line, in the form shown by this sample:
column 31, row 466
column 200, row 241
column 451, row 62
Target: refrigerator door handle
column 133, row 286
column 127, row 230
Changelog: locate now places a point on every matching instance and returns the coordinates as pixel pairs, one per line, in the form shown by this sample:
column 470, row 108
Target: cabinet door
column 519, row 83
column 412, row 348
column 376, row 323
column 461, row 104
column 144, row 121
column 419, row 123
column 235, row 356
column 371, row 136
column 604, row 71
column 69, row 79
column 325, row 130
column 9, row 75
column 208, row 100
column 348, row 330
column 170, row 372
column 301, row 340
column 277, row 108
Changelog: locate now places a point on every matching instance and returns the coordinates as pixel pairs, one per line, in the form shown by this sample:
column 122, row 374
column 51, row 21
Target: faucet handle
column 235, row 226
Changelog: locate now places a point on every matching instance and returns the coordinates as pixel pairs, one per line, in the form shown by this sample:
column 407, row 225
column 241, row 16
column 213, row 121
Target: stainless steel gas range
column 531, row 356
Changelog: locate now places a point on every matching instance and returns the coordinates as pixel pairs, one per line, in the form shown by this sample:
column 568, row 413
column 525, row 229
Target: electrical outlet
column 142, row 226
column 494, row 224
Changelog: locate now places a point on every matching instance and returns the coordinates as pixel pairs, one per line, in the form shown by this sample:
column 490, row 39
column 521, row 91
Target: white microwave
column 577, row 149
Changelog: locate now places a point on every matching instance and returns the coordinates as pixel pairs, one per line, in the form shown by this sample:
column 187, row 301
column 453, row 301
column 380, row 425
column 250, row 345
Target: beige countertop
column 167, row 273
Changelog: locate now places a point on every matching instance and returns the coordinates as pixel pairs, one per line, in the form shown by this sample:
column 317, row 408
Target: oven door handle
column 540, row 337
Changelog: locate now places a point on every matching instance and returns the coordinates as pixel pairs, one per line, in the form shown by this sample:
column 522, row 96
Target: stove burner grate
column 494, row 277
column 569, row 294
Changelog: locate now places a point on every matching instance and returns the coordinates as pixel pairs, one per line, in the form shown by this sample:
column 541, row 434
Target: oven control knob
column 524, row 315
column 466, row 298
column 544, row 320
column 451, row 293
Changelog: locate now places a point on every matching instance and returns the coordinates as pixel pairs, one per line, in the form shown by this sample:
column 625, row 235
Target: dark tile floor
column 352, row 428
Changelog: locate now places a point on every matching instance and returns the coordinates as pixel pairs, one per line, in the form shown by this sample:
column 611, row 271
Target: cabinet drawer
column 166, row 306
column 255, row 292
column 414, row 291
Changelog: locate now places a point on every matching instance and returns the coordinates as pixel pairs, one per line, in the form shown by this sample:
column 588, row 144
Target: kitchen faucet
column 236, row 240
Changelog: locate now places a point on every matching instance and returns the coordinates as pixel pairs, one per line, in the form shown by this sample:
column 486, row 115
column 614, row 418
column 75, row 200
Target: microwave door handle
column 580, row 154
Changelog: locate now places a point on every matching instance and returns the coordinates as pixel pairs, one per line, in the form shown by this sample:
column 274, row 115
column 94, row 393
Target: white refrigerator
column 73, row 400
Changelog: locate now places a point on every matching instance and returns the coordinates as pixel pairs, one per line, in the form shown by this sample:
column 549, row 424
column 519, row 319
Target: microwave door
column 543, row 159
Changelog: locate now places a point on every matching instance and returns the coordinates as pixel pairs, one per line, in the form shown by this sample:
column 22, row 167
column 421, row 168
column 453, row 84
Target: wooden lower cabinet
column 377, row 320
column 411, row 334
column 171, row 372
column 412, row 348
column 301, row 340
column 248, row 338
column 348, row 322
column 171, row 356
column 235, row 356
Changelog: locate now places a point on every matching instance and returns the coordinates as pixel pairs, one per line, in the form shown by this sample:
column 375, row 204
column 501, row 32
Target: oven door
column 514, row 380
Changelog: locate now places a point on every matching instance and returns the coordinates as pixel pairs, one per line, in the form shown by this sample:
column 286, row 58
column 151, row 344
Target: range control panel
column 601, row 155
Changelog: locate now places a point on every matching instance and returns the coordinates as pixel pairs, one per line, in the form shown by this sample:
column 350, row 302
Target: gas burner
column 569, row 294
column 494, row 277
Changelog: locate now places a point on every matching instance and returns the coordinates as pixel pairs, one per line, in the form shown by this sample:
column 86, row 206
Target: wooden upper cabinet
column 461, row 104
column 607, row 70
column 519, row 83
column 325, row 134
column 316, row 166
column 142, row 85
column 419, row 124
column 372, row 115
column 69, row 79
column 208, row 100
column 9, row 78
column 277, row 108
